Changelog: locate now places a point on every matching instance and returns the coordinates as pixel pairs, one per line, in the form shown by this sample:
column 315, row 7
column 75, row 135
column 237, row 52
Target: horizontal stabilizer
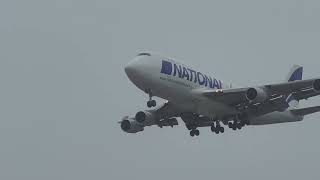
column 306, row 111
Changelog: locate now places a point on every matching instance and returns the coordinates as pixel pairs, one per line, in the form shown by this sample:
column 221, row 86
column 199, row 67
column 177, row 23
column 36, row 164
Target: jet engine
column 316, row 85
column 131, row 126
column 256, row 95
column 145, row 117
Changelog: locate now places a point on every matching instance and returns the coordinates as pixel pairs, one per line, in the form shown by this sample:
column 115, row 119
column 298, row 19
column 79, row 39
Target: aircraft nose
column 131, row 69
column 138, row 71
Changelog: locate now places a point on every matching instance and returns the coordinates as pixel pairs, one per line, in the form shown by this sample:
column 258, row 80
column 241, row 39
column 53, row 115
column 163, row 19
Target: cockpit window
column 144, row 54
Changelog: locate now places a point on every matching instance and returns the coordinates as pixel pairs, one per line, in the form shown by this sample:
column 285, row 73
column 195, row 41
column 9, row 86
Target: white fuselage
column 180, row 84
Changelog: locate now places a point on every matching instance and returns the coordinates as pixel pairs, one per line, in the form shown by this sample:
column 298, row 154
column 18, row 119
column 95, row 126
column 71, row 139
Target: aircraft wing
column 161, row 113
column 165, row 114
column 167, row 110
column 276, row 95
column 161, row 116
column 306, row 111
column 293, row 86
column 227, row 96
column 305, row 94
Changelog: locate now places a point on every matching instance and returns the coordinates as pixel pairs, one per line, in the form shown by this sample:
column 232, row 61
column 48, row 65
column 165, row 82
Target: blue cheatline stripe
column 296, row 75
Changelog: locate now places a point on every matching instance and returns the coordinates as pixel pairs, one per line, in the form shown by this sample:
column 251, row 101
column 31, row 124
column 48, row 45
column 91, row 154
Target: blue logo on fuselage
column 166, row 68
column 182, row 72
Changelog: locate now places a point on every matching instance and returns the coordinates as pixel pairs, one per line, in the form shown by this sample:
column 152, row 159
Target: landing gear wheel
column 239, row 126
column 221, row 129
column 194, row 132
column 234, row 127
column 151, row 103
column 197, row 132
column 230, row 125
column 213, row 129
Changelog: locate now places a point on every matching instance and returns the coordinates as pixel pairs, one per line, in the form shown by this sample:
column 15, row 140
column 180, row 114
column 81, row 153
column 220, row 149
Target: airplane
column 201, row 100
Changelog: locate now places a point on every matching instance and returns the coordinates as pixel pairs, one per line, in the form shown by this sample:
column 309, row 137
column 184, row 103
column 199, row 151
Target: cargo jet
column 201, row 100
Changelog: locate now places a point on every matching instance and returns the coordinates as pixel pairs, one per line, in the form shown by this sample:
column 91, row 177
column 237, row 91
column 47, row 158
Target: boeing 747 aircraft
column 201, row 100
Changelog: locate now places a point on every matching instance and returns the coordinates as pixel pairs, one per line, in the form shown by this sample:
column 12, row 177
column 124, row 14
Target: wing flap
column 305, row 94
column 306, row 111
column 290, row 87
column 277, row 104
column 228, row 96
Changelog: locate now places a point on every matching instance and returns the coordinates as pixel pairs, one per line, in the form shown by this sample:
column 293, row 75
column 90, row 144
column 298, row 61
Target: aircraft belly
column 212, row 109
column 274, row 118
column 183, row 96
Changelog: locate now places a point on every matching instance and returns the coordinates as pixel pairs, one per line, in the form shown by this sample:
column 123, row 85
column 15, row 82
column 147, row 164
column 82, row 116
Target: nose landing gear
column 150, row 103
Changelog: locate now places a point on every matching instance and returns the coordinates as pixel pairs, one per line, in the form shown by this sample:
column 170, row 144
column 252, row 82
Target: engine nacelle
column 316, row 85
column 131, row 126
column 256, row 95
column 145, row 117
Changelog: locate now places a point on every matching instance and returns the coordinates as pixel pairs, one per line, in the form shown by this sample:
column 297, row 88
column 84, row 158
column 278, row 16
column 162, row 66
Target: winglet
column 295, row 73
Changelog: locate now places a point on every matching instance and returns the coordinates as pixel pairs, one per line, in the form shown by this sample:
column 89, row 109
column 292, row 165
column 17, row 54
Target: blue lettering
column 177, row 69
column 201, row 78
column 220, row 84
column 185, row 74
column 166, row 67
column 208, row 80
column 193, row 72
column 215, row 84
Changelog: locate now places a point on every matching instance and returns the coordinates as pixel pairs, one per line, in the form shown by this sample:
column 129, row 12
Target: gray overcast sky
column 63, row 87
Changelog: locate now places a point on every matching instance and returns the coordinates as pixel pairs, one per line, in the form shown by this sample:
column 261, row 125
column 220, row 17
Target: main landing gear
column 194, row 132
column 217, row 129
column 150, row 103
column 236, row 125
